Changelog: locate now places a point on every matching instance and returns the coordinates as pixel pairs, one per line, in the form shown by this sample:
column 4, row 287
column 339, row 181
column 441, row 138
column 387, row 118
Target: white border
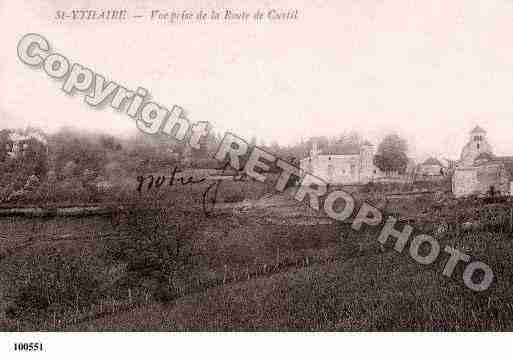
column 260, row 345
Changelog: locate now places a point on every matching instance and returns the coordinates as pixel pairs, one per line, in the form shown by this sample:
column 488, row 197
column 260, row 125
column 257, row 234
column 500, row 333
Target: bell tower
column 476, row 145
column 478, row 136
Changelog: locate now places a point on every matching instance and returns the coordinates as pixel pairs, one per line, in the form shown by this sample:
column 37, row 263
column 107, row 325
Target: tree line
column 79, row 156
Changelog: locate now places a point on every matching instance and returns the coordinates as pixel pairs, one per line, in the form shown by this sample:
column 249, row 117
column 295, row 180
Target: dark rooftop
column 431, row 161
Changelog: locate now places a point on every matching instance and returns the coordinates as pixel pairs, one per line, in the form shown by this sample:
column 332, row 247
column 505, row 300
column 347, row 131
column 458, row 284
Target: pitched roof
column 346, row 152
column 338, row 149
column 431, row 161
column 478, row 129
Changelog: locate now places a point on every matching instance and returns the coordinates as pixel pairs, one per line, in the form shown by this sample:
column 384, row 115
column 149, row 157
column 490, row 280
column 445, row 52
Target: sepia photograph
column 319, row 172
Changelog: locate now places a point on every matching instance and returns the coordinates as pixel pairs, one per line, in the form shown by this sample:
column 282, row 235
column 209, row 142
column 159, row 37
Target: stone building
column 486, row 179
column 476, row 145
column 479, row 171
column 350, row 167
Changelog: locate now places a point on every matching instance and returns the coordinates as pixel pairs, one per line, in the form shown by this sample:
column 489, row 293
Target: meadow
column 162, row 263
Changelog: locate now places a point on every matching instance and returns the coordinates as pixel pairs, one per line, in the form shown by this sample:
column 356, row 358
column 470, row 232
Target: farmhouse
column 479, row 171
column 355, row 166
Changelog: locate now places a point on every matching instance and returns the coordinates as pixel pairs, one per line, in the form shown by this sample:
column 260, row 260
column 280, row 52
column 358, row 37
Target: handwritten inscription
column 209, row 195
column 171, row 180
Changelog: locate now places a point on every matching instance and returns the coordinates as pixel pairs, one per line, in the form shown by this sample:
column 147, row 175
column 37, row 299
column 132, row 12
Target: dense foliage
column 391, row 155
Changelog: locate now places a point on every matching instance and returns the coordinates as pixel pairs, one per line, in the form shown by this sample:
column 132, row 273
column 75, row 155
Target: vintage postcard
column 277, row 166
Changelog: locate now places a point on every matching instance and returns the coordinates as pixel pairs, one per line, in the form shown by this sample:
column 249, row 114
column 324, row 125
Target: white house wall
column 339, row 169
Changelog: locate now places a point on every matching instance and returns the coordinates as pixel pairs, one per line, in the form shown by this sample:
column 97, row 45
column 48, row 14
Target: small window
column 478, row 146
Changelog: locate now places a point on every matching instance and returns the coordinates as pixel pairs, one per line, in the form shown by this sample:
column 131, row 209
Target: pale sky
column 428, row 70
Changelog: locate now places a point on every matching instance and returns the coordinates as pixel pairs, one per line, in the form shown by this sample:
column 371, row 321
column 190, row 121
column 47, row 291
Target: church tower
column 476, row 145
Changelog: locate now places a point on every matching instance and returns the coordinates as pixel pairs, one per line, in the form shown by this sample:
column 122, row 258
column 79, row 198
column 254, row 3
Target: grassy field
column 162, row 264
column 370, row 291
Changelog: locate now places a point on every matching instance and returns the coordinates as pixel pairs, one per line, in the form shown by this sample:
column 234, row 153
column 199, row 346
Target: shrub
column 44, row 283
column 151, row 247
